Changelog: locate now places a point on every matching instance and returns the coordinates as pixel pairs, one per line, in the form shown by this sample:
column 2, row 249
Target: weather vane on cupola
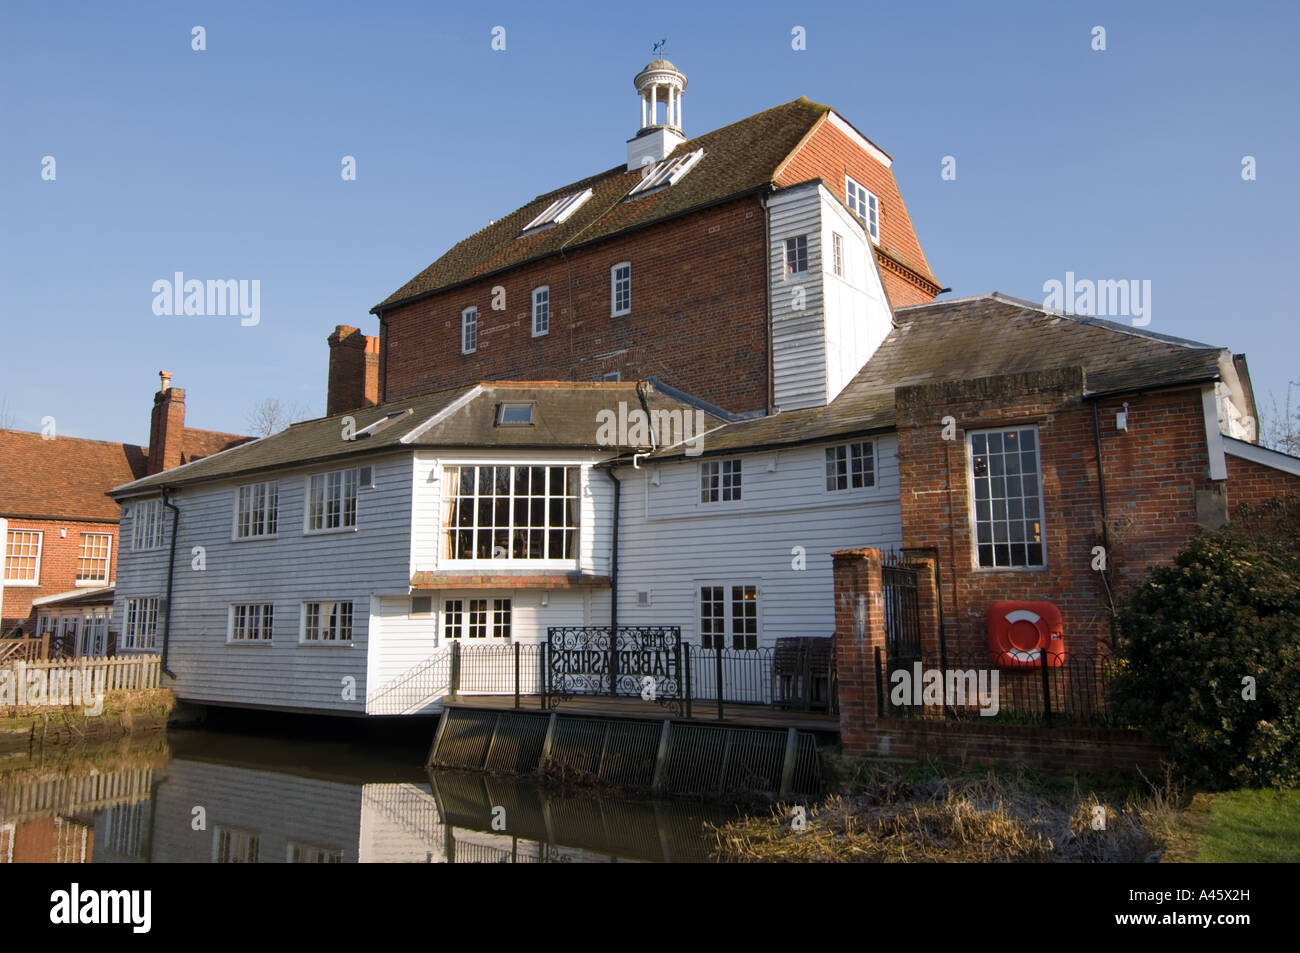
column 658, row 48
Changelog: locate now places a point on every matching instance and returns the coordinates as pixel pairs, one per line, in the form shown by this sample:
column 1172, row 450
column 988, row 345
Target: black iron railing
column 1060, row 689
column 797, row 674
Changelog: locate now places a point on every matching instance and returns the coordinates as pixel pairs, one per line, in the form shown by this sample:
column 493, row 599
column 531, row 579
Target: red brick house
column 60, row 527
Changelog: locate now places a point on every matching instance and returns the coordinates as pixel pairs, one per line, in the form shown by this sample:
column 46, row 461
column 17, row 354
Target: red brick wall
column 1152, row 475
column 1254, row 483
column 58, row 569
column 829, row 154
column 698, row 321
column 967, row 743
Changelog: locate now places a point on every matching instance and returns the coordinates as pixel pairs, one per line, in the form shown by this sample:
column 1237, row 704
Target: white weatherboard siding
column 798, row 333
column 825, row 327
column 402, row 643
column 857, row 318
column 671, row 543
column 286, row 570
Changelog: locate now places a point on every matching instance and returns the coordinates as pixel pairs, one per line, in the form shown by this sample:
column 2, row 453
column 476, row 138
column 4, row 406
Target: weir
column 659, row 756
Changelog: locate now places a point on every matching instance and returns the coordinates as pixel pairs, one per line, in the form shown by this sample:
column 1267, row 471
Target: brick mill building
column 768, row 277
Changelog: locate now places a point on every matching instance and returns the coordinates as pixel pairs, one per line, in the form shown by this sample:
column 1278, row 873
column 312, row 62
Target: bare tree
column 1280, row 430
column 270, row 415
column 7, row 416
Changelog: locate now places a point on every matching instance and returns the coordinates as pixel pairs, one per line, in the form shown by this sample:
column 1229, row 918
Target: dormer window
column 667, row 173
column 558, row 211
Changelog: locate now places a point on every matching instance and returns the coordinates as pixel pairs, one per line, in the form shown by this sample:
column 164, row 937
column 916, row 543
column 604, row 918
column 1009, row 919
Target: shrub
column 1189, row 637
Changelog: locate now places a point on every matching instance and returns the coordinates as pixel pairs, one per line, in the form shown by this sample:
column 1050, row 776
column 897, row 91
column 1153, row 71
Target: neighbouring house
column 61, row 529
column 764, row 283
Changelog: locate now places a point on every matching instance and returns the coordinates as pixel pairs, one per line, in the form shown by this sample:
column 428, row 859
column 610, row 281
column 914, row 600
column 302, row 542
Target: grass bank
column 886, row 812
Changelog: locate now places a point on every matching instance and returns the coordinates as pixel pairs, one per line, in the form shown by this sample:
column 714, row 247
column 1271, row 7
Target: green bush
column 1190, row 635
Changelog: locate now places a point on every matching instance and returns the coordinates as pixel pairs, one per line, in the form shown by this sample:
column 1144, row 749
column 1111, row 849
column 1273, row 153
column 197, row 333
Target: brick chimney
column 354, row 371
column 167, row 426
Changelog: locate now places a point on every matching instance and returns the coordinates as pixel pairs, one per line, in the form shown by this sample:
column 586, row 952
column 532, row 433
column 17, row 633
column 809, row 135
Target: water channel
column 221, row 796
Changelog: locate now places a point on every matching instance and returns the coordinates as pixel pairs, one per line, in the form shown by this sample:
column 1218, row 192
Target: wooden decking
column 705, row 712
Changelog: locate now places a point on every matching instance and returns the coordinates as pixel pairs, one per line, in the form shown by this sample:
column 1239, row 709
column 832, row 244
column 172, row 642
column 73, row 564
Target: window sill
column 22, row 584
column 332, row 644
column 1006, row 569
column 258, row 539
column 249, row 642
column 330, row 532
column 88, row 583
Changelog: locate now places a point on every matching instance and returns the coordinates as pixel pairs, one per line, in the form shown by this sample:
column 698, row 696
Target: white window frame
column 614, row 310
column 865, row 204
column 874, row 457
column 140, row 624
column 792, row 272
column 542, row 311
column 666, row 173
column 729, row 635
column 335, row 610
column 309, row 505
column 451, row 491
column 311, row 854
column 718, row 473
column 973, row 522
column 36, row 567
column 270, row 512
column 469, row 329
column 148, row 528
column 95, row 581
column 251, row 843
column 458, row 624
column 265, row 623
column 558, row 211
column 837, row 254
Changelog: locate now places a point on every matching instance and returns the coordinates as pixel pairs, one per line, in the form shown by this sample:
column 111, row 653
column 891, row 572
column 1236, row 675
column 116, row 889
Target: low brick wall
column 1088, row 749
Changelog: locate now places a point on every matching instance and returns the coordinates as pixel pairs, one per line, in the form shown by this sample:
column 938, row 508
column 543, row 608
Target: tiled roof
column 737, row 158
column 64, row 478
column 462, row 417
column 983, row 336
column 196, row 444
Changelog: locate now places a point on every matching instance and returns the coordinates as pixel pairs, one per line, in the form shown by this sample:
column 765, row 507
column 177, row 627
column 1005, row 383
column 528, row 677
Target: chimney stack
column 167, row 426
column 354, row 371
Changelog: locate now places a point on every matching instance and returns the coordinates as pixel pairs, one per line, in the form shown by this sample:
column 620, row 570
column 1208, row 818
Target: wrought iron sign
column 643, row 661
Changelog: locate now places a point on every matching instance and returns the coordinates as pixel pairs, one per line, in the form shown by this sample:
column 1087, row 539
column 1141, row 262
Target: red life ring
column 1020, row 632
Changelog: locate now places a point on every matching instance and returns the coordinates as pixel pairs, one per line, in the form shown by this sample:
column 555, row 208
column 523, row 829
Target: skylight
column 668, row 172
column 515, row 415
column 381, row 423
column 559, row 210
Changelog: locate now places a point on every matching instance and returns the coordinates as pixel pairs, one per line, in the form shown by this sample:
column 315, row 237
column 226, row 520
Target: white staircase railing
column 414, row 689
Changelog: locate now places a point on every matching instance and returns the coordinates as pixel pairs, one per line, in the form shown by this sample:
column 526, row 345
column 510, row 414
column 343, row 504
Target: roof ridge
column 107, row 443
column 1084, row 319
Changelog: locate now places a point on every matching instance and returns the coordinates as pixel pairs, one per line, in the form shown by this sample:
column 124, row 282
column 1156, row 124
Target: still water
column 213, row 797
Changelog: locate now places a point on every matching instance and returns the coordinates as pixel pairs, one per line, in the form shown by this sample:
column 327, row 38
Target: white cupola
column 660, row 85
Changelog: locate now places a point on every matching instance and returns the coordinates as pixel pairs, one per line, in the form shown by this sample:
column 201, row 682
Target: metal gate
column 902, row 618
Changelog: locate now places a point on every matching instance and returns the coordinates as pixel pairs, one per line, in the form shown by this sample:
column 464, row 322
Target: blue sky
column 1122, row 164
